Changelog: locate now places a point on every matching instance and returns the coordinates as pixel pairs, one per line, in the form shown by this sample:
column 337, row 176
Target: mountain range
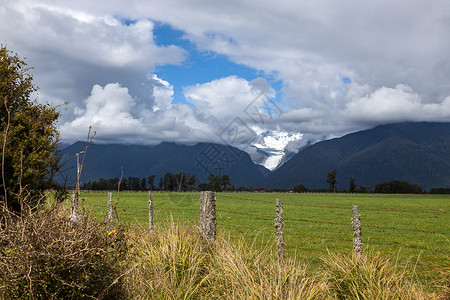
column 108, row 161
column 416, row 152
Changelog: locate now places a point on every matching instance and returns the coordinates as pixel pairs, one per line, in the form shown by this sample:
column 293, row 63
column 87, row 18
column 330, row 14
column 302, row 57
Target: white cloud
column 394, row 53
column 225, row 98
column 72, row 49
column 109, row 111
column 162, row 92
column 118, row 117
column 397, row 104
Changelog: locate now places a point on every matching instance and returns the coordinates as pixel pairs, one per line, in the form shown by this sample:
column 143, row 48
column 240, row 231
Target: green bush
column 44, row 256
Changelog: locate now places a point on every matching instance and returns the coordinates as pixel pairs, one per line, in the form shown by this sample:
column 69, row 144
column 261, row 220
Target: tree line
column 187, row 183
column 169, row 182
column 390, row 187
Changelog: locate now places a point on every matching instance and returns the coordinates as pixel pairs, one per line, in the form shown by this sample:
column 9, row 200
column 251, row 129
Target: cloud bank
column 326, row 68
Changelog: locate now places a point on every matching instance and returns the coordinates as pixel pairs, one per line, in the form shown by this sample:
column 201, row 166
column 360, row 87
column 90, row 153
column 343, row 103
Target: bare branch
column 5, row 100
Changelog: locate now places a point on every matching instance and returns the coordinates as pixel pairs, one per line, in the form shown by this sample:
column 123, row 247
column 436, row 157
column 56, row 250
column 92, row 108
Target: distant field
column 410, row 228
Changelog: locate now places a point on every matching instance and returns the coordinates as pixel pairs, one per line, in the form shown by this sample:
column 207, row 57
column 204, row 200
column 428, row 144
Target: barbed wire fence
column 209, row 218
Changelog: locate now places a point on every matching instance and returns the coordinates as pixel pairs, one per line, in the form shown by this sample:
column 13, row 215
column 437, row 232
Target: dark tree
column 143, row 186
column 352, row 186
column 190, row 182
column 362, row 189
column 180, row 182
column 124, row 186
column 214, row 183
column 300, row 188
column 29, row 138
column 397, row 187
column 331, row 180
column 170, row 182
column 203, row 186
column 225, row 181
column 134, row 184
column 151, row 182
column 440, row 191
column 112, row 183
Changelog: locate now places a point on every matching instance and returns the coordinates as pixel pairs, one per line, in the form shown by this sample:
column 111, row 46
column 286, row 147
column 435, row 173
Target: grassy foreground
column 43, row 256
column 411, row 229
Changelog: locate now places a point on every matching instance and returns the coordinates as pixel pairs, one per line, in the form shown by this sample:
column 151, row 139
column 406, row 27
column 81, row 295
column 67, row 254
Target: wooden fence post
column 279, row 227
column 150, row 211
column 357, row 235
column 110, row 211
column 208, row 216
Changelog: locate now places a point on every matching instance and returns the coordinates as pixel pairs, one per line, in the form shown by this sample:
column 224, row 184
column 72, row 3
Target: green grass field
column 411, row 229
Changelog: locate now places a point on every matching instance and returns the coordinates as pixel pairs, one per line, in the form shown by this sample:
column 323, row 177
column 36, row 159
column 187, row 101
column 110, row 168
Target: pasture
column 412, row 229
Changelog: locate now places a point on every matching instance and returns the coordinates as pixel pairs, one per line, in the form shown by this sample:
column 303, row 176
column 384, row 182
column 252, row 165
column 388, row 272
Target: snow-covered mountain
column 275, row 148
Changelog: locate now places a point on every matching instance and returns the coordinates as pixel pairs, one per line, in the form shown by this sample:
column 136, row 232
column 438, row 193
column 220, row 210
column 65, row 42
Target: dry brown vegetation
column 43, row 255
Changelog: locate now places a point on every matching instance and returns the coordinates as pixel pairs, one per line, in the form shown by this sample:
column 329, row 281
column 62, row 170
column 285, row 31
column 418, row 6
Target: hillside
column 414, row 152
column 106, row 161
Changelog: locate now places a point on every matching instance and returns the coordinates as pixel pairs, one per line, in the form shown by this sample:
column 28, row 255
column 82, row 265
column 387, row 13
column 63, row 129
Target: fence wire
column 164, row 204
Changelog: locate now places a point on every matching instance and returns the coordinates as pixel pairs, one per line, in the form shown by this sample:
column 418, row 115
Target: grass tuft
column 169, row 264
column 369, row 277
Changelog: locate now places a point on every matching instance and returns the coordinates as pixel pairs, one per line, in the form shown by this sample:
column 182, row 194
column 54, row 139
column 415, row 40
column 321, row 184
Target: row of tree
column 391, row 187
column 169, row 182
column 183, row 182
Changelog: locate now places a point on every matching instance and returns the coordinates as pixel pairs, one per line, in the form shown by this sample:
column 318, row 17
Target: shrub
column 245, row 271
column 369, row 277
column 300, row 188
column 43, row 256
column 169, row 264
column 176, row 263
column 397, row 187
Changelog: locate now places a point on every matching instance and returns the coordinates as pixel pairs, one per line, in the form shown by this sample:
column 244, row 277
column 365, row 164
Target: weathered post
column 279, row 228
column 208, row 216
column 110, row 211
column 357, row 235
column 150, row 211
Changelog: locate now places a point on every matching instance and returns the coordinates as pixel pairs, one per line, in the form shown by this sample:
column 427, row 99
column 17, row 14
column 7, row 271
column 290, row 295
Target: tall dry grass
column 43, row 256
column 370, row 277
column 174, row 263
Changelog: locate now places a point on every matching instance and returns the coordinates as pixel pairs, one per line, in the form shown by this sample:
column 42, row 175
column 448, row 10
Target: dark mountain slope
column 106, row 161
column 414, row 152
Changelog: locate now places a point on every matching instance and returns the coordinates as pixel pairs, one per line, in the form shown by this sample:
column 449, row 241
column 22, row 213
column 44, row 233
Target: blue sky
column 200, row 66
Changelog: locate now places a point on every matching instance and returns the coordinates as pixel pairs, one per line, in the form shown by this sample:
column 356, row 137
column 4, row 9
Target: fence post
column 279, row 227
column 208, row 216
column 150, row 211
column 110, row 211
column 75, row 217
column 357, row 235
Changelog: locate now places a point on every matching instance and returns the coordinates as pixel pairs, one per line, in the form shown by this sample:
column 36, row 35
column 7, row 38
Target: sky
column 270, row 75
